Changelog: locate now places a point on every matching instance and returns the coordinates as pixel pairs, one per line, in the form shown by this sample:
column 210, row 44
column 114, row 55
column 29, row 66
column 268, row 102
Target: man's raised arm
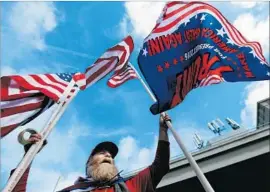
column 160, row 166
column 21, row 185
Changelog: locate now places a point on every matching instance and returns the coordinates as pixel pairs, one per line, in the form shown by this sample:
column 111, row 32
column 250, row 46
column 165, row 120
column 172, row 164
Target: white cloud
column 186, row 131
column 11, row 151
column 57, row 149
column 124, row 26
column 42, row 179
column 31, row 21
column 116, row 132
column 23, row 32
column 127, row 146
column 132, row 156
column 254, row 92
column 50, row 176
column 142, row 17
column 67, row 180
column 7, row 70
column 254, row 28
column 250, row 4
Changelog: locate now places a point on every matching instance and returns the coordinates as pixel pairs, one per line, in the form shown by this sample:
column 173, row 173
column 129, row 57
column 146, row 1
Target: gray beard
column 102, row 172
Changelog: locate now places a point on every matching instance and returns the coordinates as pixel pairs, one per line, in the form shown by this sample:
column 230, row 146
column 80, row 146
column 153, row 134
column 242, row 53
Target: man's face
column 101, row 167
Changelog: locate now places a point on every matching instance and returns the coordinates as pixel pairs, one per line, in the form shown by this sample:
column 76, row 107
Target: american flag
column 114, row 59
column 25, row 97
column 122, row 76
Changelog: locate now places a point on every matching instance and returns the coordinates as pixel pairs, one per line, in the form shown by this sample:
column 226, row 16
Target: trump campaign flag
column 193, row 45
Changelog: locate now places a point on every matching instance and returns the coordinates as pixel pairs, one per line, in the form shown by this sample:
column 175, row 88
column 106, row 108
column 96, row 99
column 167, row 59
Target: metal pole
column 29, row 156
column 144, row 84
column 206, row 185
column 57, row 183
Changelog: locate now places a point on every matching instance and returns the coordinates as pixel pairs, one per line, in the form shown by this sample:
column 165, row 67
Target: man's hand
column 162, row 121
column 34, row 138
column 163, row 128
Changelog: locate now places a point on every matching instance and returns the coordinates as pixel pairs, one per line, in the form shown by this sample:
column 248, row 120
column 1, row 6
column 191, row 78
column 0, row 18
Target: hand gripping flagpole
column 206, row 185
column 29, row 156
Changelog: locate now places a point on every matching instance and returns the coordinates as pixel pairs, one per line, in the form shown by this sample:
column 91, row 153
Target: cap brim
column 107, row 146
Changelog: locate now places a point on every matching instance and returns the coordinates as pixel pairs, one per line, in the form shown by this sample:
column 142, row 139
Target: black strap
column 121, row 187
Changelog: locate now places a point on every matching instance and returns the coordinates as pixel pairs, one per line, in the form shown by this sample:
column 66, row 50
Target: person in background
column 22, row 184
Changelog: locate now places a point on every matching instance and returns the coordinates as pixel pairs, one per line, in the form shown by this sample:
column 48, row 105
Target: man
column 21, row 185
column 103, row 176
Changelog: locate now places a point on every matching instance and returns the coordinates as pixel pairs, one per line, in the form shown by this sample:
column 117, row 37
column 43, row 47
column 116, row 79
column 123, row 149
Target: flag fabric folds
column 114, row 59
column 127, row 73
column 51, row 85
column 193, row 45
column 25, row 97
column 19, row 112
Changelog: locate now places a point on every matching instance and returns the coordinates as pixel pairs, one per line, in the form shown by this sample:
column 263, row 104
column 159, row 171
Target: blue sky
column 55, row 37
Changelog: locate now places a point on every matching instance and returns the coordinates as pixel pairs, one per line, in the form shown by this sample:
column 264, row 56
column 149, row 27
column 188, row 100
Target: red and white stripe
column 80, row 80
column 18, row 111
column 175, row 13
column 210, row 80
column 10, row 89
column 25, row 97
column 114, row 59
column 49, row 84
column 121, row 77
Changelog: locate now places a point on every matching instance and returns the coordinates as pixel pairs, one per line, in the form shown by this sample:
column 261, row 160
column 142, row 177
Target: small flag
column 193, row 45
column 127, row 73
column 114, row 59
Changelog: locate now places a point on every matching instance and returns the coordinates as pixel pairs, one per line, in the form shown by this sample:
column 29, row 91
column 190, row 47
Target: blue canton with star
column 65, row 76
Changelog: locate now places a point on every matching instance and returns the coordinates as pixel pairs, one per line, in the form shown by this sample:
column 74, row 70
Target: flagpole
column 29, row 156
column 57, row 183
column 205, row 183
